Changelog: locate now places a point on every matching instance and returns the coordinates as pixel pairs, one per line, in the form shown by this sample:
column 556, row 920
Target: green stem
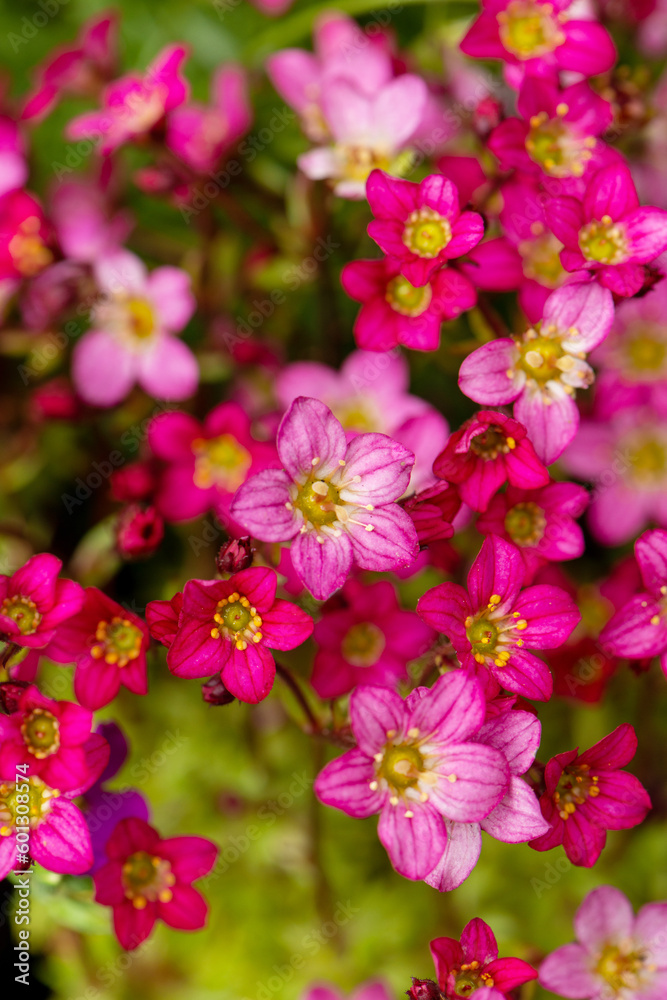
column 298, row 26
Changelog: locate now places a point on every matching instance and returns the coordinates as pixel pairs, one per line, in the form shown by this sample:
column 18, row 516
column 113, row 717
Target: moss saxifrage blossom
column 229, row 626
column 34, row 602
column 587, row 794
column 471, row 967
column 541, row 369
column 336, row 500
column 417, row 765
column 617, row 955
column 147, row 878
column 494, row 623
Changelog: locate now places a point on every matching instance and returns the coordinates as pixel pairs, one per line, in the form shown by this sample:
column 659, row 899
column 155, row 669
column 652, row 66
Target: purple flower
column 490, row 624
column 607, row 232
column 639, row 628
column 415, row 764
column 617, row 954
column 335, row 500
column 587, row 794
column 541, row 369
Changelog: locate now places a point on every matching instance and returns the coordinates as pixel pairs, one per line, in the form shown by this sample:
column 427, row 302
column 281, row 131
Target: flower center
column 646, row 354
column 317, row 500
column 12, row 804
column 491, row 443
column 356, row 415
column 426, row 232
column 363, row 644
column 147, row 878
column 27, row 249
column 41, row 733
column 141, row 318
column 118, row 641
column 529, row 29
column 603, row 241
column 236, row 620
column 648, row 460
column 23, row 611
column 541, row 258
column 469, row 979
column 553, row 145
column 407, row 300
column 490, row 633
column 145, row 107
column 621, row 969
column 357, row 162
column 543, row 358
column 575, row 786
column 220, row 461
column 401, row 766
column 525, row 523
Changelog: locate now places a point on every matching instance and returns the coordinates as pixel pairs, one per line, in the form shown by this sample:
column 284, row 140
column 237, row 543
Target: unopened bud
column 235, row 555
column 215, row 693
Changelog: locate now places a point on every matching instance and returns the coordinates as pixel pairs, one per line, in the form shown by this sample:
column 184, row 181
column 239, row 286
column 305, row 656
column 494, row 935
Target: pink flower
column 558, row 136
column 541, row 369
column 395, row 312
column 200, row 135
column 607, row 233
column 587, row 794
column 53, row 740
column 108, row 644
column 56, row 835
column 539, row 37
column 491, row 623
column 421, row 225
column 34, row 602
column 625, row 455
column 365, row 638
column 639, row 628
column 23, row 237
column 134, row 104
column 336, row 500
column 74, row 70
column 147, row 878
column 228, row 626
column 13, row 166
column 467, row 967
column 370, row 393
column 139, row 531
column 368, row 131
column 205, row 462
column 616, row 953
column 485, row 452
column 433, row 511
column 83, row 222
column 132, row 337
column 541, row 523
column 415, row 765
column 373, row 990
column 517, row 817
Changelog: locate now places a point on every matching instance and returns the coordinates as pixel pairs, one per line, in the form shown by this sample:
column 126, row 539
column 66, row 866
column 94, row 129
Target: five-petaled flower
column 471, row 965
column 34, row 602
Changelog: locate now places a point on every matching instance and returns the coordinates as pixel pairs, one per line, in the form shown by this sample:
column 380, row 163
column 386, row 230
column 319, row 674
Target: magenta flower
column 34, row 602
column 54, row 740
column 368, row 130
column 228, row 626
column 517, row 817
column 134, row 104
column 395, row 312
column 13, row 165
column 206, row 462
column 132, row 337
column 200, row 135
column 369, row 640
column 539, row 37
column 616, row 954
column 485, row 452
column 558, row 136
column 490, row 624
column 335, row 500
column 415, row 764
column 433, row 511
column 163, row 617
column 147, row 878
column 108, row 644
column 24, row 235
column 541, row 523
column 56, row 834
column 607, row 233
column 541, row 369
column 587, row 794
column 421, row 225
column 370, row 393
column 639, row 628
column 373, row 990
column 472, row 967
